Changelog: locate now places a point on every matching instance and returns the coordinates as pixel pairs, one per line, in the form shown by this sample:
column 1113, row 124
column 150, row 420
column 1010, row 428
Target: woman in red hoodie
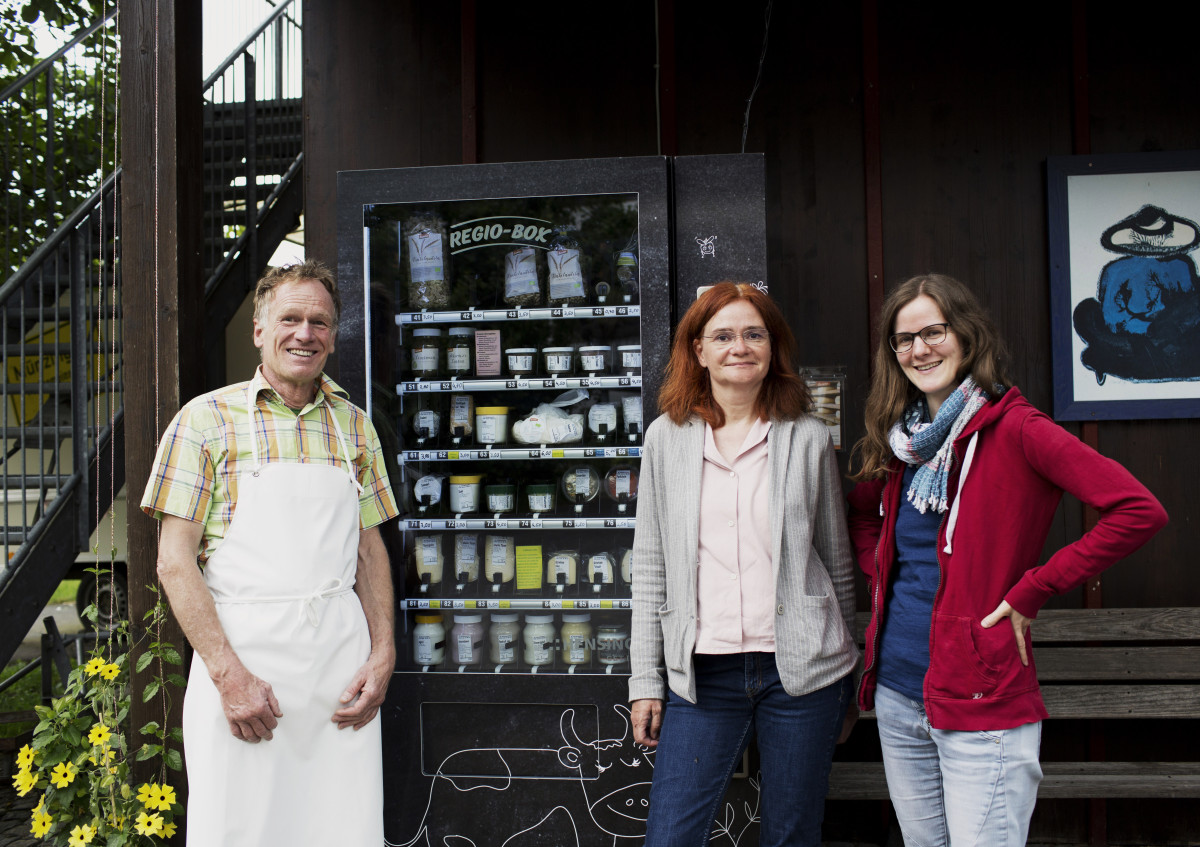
column 959, row 477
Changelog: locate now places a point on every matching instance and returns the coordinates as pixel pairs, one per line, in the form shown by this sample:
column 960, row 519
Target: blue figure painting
column 1144, row 323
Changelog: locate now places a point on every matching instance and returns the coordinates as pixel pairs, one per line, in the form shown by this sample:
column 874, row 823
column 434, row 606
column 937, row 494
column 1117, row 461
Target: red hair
column 686, row 389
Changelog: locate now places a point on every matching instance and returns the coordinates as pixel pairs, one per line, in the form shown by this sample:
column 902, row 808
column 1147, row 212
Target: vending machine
column 508, row 326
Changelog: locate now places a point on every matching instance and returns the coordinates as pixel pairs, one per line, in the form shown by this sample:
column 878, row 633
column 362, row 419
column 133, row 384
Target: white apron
column 283, row 582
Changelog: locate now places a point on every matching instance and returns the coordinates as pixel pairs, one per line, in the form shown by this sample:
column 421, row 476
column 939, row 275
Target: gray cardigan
column 811, row 558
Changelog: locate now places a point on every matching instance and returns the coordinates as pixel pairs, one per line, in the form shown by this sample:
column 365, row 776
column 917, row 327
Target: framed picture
column 1124, row 292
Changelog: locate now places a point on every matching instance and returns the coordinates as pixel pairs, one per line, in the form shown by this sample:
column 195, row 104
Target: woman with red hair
column 743, row 587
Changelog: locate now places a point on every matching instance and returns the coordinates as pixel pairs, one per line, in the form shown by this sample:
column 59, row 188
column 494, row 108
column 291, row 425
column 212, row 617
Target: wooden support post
column 470, row 88
column 161, row 274
column 872, row 168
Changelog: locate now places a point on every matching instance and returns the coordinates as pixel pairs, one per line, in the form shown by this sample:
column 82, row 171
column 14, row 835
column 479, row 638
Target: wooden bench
column 1100, row 664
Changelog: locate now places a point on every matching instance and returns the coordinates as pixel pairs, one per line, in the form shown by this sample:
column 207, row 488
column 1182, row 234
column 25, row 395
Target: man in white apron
column 276, row 487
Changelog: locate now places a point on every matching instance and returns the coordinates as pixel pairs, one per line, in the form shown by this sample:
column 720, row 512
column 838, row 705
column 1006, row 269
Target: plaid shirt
column 195, row 474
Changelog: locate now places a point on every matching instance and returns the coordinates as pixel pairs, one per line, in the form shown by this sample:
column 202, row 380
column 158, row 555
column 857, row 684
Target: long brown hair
column 686, row 389
column 983, row 357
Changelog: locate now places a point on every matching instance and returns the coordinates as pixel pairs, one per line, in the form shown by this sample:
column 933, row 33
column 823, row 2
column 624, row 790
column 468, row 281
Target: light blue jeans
column 957, row 788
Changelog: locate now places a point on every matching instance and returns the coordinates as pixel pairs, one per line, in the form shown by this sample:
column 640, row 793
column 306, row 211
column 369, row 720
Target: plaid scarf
column 916, row 441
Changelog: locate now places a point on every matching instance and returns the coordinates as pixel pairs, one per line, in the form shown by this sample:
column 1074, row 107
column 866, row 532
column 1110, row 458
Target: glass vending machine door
column 526, row 312
column 519, row 405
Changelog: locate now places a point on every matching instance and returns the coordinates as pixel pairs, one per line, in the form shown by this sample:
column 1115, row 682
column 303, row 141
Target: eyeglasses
column 932, row 335
column 750, row 337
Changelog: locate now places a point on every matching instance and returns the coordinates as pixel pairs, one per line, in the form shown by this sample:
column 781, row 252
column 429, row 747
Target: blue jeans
column 951, row 787
column 738, row 696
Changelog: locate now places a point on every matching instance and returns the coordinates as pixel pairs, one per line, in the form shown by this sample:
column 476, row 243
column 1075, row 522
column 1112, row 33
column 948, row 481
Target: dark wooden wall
column 971, row 102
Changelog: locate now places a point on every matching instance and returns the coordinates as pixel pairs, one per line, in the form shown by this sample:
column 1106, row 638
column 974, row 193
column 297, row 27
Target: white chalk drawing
column 614, row 805
column 707, row 248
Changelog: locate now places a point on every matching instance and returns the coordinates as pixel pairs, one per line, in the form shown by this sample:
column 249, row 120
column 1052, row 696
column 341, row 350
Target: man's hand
column 249, row 703
column 1020, row 624
column 646, row 716
column 364, row 695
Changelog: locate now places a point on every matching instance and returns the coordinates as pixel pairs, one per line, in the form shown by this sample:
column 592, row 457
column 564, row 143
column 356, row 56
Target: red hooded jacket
column 1023, row 462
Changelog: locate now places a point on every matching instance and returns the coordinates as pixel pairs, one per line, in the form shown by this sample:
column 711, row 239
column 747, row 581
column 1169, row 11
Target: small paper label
column 529, row 567
column 487, row 352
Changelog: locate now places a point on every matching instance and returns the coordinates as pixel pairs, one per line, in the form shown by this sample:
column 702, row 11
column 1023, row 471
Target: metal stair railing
column 253, row 146
column 61, row 308
column 60, row 313
column 51, row 150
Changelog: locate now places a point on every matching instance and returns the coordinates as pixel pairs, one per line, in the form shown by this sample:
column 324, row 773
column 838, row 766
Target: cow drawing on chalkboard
column 579, row 809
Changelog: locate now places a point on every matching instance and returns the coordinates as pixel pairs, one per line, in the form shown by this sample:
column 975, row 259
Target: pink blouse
column 735, row 589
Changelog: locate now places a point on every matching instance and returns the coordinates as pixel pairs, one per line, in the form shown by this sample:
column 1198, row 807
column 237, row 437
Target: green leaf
column 150, row 691
column 149, row 729
column 177, row 734
column 174, row 760
column 148, row 751
column 144, row 661
column 177, row 679
column 170, row 654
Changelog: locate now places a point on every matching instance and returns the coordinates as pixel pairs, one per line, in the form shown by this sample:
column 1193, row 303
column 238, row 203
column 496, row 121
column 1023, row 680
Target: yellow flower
column 63, row 774
column 99, row 734
column 24, row 781
column 41, row 805
column 108, row 755
column 41, row 821
column 166, row 798
column 146, row 792
column 25, row 757
column 149, row 824
column 110, row 671
column 82, row 834
column 94, row 666
column 168, row 830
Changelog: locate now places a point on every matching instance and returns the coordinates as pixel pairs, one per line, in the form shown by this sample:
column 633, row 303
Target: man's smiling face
column 296, row 337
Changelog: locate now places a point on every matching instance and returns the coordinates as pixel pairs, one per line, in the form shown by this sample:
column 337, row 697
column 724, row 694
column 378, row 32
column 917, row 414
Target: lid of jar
column 500, row 488
column 558, row 349
column 427, row 331
column 468, row 618
column 539, row 619
column 578, row 618
column 504, row 618
column 539, row 488
column 429, row 617
column 610, row 629
column 629, row 347
column 491, row 410
column 466, row 480
column 462, row 330
column 515, row 351
column 596, row 348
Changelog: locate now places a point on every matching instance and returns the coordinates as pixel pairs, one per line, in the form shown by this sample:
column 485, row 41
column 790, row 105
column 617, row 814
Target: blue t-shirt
column 904, row 642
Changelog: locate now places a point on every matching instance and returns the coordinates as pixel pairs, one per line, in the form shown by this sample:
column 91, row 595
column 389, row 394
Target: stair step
column 60, row 388
column 33, row 348
column 31, row 435
column 31, row 483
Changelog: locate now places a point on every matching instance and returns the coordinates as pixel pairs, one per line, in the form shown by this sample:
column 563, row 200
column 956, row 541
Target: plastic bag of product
column 549, row 425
